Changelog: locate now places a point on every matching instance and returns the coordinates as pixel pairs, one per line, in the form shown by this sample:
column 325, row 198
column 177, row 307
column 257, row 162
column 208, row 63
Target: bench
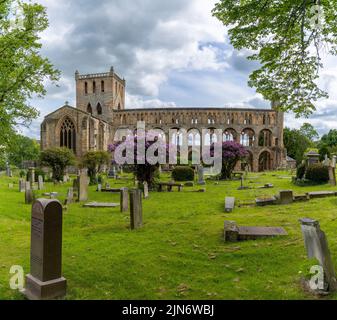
column 169, row 186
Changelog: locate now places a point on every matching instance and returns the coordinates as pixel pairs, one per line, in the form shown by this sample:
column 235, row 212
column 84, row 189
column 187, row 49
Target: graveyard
column 179, row 251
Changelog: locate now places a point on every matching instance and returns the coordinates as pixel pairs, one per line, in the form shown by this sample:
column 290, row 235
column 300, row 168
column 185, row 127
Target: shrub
column 317, row 173
column 94, row 161
column 183, row 174
column 300, row 171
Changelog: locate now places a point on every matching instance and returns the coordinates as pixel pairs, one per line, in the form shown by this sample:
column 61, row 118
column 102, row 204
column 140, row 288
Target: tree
column 23, row 71
column 330, row 139
column 57, row 159
column 94, row 161
column 22, row 148
column 309, row 131
column 287, row 38
column 296, row 144
column 232, row 152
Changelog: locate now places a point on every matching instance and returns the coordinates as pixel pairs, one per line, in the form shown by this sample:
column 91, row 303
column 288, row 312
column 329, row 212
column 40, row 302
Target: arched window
column 119, row 106
column 86, row 87
column 102, row 86
column 68, row 135
column 89, row 108
column 94, row 87
column 99, row 109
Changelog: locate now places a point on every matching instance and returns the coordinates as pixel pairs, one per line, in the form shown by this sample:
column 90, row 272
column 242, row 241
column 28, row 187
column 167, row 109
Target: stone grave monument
column 136, row 210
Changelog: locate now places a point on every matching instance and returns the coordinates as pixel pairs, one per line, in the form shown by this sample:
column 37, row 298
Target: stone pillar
column 136, row 210
column 124, row 200
column 45, row 281
column 317, row 247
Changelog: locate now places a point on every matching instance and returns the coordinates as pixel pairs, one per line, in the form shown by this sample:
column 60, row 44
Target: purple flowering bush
column 232, row 152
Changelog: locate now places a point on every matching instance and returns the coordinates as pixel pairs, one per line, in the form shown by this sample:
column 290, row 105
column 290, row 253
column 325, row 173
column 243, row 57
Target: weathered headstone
column 136, row 210
column 45, row 281
column 22, row 185
column 124, row 199
column 321, row 194
column 233, row 233
column 29, row 196
column 201, row 178
column 107, row 186
column 146, row 189
column 101, row 205
column 99, row 187
column 332, row 175
column 317, row 247
column 286, row 197
column 83, row 181
column 31, row 176
column 40, row 182
column 10, row 185
column 229, row 204
column 70, row 195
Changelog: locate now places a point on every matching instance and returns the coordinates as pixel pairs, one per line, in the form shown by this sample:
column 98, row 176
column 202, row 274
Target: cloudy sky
column 172, row 53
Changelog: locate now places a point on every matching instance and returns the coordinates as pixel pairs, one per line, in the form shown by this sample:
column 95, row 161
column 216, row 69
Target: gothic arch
column 89, row 108
column 99, row 109
column 265, row 138
column 68, row 134
column 265, row 161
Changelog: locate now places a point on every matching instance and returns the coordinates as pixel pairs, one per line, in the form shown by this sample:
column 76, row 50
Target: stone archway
column 265, row 161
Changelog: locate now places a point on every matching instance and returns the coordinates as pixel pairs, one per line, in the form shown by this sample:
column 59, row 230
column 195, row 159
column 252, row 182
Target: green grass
column 180, row 252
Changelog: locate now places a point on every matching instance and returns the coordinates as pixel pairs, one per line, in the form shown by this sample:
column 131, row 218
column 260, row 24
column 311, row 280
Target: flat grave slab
column 321, row 194
column 115, row 190
column 261, row 202
column 233, row 233
column 101, row 205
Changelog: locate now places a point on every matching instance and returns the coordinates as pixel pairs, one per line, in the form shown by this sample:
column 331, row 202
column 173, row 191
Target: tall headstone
column 8, row 170
column 29, row 196
column 146, row 190
column 22, row 185
column 31, row 176
column 83, row 181
column 70, row 195
column 136, row 210
column 99, row 187
column 45, row 281
column 201, row 173
column 317, row 247
column 124, row 199
column 40, row 183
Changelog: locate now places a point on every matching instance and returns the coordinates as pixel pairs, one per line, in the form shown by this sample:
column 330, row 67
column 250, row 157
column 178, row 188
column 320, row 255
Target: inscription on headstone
column 136, row 210
column 45, row 281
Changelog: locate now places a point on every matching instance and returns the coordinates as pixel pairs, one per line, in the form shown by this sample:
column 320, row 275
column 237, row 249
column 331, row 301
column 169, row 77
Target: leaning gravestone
column 124, row 199
column 83, row 181
column 146, row 190
column 286, row 197
column 317, row 247
column 40, row 182
column 45, row 281
column 136, row 210
column 229, row 204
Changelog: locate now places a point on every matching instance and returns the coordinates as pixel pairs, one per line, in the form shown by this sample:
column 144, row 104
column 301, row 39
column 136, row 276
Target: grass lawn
column 180, row 252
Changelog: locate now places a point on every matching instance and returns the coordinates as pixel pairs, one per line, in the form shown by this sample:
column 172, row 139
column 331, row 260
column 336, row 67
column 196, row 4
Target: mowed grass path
column 180, row 252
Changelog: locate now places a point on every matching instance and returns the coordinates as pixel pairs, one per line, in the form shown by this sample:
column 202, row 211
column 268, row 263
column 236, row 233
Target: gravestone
column 45, row 281
column 233, row 233
column 286, row 197
column 332, row 176
column 10, row 185
column 29, row 196
column 65, row 179
column 124, row 203
column 136, row 210
column 229, row 204
column 317, row 247
column 75, row 184
column 101, row 205
column 107, row 186
column 146, row 190
column 22, row 185
column 201, row 173
column 40, row 182
column 8, row 170
column 99, row 187
column 31, row 176
column 83, row 181
column 53, row 195
column 321, row 194
column 70, row 196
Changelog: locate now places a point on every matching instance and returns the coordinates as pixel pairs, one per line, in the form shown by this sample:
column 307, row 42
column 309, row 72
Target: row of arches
column 94, row 87
column 99, row 109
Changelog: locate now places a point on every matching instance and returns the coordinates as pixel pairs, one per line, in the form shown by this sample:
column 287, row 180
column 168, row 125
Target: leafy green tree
column 287, row 38
column 309, row 131
column 22, row 148
column 94, row 161
column 296, row 144
column 57, row 159
column 23, row 71
column 330, row 139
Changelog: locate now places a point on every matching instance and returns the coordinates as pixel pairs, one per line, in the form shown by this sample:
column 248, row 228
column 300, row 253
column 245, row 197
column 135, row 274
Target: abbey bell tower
column 100, row 93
